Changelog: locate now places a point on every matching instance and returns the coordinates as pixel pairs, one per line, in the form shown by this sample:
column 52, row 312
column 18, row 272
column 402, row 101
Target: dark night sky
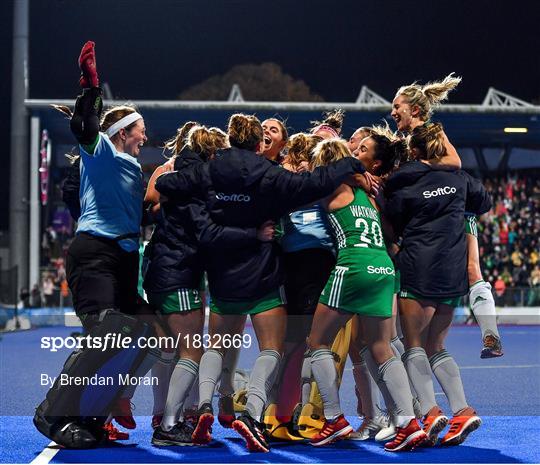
column 155, row 49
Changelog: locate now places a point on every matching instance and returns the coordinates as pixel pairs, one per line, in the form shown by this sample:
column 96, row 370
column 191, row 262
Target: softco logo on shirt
column 446, row 190
column 233, row 197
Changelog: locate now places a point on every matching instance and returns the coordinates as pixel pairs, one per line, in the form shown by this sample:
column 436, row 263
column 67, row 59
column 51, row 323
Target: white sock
column 162, row 371
column 483, row 307
column 210, row 370
column 369, row 392
column 393, row 375
column 230, row 361
column 182, row 379
column 419, row 371
column 325, row 374
column 261, row 381
column 447, row 373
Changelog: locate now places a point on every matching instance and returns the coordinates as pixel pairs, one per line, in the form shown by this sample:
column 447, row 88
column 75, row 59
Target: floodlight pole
column 18, row 182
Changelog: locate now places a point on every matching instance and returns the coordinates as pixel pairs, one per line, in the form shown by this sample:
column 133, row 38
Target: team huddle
column 335, row 248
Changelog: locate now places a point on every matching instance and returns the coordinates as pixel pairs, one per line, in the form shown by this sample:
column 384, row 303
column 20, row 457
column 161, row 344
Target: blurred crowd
column 509, row 239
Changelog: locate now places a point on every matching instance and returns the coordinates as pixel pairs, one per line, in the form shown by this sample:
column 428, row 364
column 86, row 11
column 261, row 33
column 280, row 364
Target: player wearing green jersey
column 362, row 284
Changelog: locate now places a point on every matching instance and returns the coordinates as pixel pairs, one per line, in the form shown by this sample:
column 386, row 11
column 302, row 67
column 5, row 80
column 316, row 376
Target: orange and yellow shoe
column 332, row 432
column 407, row 438
column 462, row 424
column 434, row 422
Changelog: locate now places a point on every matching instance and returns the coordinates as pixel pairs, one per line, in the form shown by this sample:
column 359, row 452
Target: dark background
column 156, row 49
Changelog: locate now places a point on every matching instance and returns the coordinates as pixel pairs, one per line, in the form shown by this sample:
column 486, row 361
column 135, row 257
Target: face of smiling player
column 134, row 138
column 405, row 115
column 273, row 139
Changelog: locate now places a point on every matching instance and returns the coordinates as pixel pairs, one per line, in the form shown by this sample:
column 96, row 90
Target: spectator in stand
column 517, row 257
column 500, row 288
column 534, row 281
column 533, row 257
column 48, row 290
column 35, row 297
column 24, row 297
column 503, row 234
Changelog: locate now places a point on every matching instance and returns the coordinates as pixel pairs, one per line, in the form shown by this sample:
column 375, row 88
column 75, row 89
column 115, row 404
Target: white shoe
column 385, row 434
column 369, row 428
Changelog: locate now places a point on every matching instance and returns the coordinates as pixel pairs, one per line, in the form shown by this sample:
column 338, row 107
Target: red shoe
column 226, row 414
column 434, row 422
column 113, row 434
column 202, row 433
column 407, row 438
column 331, row 432
column 123, row 414
column 462, row 424
column 156, row 421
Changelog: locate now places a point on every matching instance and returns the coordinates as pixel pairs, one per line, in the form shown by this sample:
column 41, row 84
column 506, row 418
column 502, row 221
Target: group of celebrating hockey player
column 333, row 247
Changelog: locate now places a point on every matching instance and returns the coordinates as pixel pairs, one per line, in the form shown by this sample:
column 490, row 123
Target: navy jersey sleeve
column 394, row 210
column 291, row 190
column 184, row 183
column 212, row 235
column 478, row 199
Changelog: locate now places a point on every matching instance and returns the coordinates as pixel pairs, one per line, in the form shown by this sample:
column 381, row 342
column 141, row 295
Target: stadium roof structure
column 494, row 128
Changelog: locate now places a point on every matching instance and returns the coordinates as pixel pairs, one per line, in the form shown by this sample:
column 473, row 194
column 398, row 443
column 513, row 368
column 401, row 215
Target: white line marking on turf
column 485, row 367
column 46, row 455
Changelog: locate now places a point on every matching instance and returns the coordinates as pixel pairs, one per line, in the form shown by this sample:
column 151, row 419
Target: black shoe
column 203, row 431
column 253, row 432
column 75, row 436
column 180, row 435
column 67, row 432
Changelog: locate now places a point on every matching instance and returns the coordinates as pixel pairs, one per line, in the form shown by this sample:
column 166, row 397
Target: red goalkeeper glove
column 87, row 64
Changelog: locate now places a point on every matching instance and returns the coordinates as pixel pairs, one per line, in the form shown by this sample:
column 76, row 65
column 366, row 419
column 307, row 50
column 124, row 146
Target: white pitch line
column 46, row 455
column 486, row 367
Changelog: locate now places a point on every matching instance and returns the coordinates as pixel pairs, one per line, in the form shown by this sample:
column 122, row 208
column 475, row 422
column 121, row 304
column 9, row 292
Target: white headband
column 122, row 123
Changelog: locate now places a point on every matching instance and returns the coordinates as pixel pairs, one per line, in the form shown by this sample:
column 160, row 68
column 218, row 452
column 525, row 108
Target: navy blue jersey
column 182, row 227
column 426, row 207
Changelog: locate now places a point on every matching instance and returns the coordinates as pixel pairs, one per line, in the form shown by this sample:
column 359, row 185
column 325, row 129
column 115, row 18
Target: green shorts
column 182, row 300
column 451, row 301
column 471, row 225
column 269, row 301
column 361, row 283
